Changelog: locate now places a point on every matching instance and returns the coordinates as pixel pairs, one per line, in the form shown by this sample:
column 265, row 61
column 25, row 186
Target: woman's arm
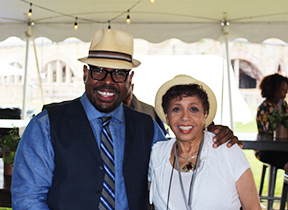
column 247, row 191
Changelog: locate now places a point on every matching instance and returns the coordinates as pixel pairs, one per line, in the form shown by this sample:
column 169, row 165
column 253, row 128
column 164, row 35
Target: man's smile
column 105, row 94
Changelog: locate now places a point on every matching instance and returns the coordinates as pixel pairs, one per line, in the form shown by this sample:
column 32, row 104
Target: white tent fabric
column 156, row 70
column 190, row 21
column 7, row 69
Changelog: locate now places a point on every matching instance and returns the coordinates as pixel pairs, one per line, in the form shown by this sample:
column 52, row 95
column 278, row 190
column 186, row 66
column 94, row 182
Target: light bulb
column 128, row 20
column 30, row 13
column 30, row 10
column 76, row 24
column 152, row 1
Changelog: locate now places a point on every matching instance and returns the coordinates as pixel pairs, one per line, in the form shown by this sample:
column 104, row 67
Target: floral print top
column 263, row 113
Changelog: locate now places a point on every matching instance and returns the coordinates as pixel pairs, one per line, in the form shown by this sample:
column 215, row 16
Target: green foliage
column 277, row 118
column 9, row 143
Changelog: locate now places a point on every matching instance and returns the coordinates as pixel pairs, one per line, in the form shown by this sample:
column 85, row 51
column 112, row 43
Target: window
column 57, row 72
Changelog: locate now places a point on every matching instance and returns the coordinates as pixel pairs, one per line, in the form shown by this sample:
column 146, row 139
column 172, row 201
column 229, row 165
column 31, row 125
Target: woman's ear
column 167, row 119
column 205, row 118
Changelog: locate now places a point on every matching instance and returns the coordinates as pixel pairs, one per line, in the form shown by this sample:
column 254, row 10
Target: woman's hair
column 270, row 84
column 179, row 91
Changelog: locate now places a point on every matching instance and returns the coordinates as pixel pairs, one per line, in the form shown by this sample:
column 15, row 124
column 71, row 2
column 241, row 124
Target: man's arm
column 158, row 134
column 223, row 134
column 33, row 166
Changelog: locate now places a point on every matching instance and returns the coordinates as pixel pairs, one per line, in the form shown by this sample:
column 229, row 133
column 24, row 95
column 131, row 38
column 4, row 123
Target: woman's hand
column 223, row 134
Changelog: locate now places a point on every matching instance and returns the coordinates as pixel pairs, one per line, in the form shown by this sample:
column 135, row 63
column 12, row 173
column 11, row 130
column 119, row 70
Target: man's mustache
column 107, row 87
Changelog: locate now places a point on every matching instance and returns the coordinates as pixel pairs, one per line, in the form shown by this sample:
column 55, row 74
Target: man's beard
column 108, row 108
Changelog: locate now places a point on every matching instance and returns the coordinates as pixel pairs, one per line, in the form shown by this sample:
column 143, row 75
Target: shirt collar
column 92, row 113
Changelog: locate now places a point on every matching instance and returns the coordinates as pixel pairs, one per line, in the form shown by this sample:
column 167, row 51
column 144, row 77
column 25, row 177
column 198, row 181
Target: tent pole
column 226, row 35
column 222, row 93
column 28, row 37
column 38, row 70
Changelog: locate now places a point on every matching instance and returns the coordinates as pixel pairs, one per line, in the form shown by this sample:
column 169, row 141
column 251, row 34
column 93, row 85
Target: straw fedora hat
column 183, row 80
column 111, row 49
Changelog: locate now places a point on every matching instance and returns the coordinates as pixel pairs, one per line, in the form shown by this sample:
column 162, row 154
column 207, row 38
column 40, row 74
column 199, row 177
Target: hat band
column 110, row 55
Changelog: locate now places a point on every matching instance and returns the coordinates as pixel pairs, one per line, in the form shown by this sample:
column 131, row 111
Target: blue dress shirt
column 34, row 161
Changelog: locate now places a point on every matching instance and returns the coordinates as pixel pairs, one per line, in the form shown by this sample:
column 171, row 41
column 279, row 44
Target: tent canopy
column 188, row 20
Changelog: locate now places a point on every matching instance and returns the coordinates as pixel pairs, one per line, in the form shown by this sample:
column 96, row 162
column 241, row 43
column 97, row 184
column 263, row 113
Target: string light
column 152, row 1
column 76, row 24
column 109, row 27
column 30, row 10
column 128, row 20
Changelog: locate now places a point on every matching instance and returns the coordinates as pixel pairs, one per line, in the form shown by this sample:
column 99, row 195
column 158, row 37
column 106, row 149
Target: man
column 73, row 155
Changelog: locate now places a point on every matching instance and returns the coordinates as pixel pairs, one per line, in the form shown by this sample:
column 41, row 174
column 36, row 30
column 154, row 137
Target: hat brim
column 182, row 80
column 110, row 63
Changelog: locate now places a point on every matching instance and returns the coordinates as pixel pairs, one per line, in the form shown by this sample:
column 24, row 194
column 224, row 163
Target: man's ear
column 85, row 72
column 130, row 77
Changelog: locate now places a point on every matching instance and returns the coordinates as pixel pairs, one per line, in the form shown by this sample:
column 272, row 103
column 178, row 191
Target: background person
column 140, row 106
column 274, row 89
column 185, row 172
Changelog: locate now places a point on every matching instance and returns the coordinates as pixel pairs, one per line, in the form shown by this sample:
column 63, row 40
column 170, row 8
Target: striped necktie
column 107, row 199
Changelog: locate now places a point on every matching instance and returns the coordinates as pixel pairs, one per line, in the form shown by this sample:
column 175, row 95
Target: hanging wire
column 109, row 27
column 76, row 24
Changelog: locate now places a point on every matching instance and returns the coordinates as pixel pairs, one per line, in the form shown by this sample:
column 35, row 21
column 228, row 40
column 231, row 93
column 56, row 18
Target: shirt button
column 101, row 167
column 97, row 191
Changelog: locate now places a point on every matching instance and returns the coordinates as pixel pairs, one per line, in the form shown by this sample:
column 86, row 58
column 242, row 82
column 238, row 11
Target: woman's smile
column 185, row 128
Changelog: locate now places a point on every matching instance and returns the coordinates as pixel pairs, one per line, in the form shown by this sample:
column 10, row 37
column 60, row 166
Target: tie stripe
column 107, row 199
column 110, row 173
column 109, row 155
column 108, row 189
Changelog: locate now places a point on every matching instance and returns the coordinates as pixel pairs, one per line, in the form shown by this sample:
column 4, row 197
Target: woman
column 274, row 89
column 186, row 172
